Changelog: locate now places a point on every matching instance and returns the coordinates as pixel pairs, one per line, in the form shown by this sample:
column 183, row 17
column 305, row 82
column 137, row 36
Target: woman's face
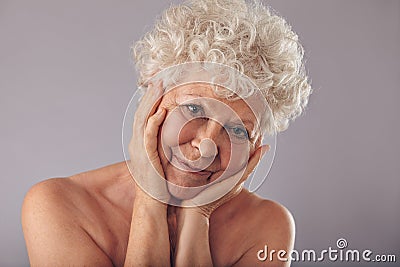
column 204, row 137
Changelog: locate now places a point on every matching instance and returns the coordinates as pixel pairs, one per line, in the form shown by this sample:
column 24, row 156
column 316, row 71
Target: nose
column 207, row 148
column 206, row 138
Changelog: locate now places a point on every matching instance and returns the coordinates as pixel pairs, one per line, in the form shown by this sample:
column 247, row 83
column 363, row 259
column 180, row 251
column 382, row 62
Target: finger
column 239, row 177
column 149, row 103
column 158, row 93
column 146, row 108
column 142, row 103
column 230, row 187
column 233, row 183
column 209, row 194
column 151, row 132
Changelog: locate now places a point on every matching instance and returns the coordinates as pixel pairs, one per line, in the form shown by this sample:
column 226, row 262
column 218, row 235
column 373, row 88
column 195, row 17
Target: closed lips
column 186, row 167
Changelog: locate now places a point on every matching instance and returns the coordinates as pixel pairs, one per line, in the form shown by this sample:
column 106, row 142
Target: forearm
column 148, row 243
column 193, row 248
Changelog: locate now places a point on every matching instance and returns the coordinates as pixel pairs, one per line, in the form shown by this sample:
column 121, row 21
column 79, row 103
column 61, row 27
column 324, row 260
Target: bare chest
column 111, row 233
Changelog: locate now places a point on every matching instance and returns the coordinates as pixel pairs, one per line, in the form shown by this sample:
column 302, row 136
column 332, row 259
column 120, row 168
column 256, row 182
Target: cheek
column 177, row 130
column 234, row 157
column 174, row 132
column 170, row 129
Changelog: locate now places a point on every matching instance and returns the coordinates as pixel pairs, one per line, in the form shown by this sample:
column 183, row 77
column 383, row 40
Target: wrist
column 145, row 205
column 193, row 248
column 205, row 210
column 192, row 217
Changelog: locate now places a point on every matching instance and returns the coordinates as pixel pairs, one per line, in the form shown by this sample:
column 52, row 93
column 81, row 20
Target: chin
column 185, row 185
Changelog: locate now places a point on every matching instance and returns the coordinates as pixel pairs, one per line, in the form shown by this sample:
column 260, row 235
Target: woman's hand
column 235, row 182
column 193, row 221
column 145, row 163
column 148, row 213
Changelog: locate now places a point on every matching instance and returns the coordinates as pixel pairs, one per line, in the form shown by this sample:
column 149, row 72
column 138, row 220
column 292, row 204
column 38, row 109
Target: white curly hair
column 246, row 36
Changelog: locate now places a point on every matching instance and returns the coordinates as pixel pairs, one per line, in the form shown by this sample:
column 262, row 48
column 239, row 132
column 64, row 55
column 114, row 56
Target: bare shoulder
column 269, row 217
column 56, row 216
column 52, row 192
column 274, row 218
column 54, row 198
column 269, row 224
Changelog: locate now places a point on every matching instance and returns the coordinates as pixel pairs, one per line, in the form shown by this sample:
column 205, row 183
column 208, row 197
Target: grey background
column 66, row 79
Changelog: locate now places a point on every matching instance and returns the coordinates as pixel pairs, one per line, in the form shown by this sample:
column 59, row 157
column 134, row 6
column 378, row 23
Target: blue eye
column 193, row 110
column 239, row 132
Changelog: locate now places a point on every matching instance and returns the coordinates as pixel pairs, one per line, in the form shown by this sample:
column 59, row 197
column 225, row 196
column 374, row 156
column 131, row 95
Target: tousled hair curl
column 248, row 37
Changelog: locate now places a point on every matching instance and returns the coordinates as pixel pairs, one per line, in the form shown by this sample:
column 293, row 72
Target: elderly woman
column 217, row 75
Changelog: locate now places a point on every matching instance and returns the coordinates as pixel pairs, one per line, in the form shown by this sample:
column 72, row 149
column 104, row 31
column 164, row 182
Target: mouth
column 185, row 166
